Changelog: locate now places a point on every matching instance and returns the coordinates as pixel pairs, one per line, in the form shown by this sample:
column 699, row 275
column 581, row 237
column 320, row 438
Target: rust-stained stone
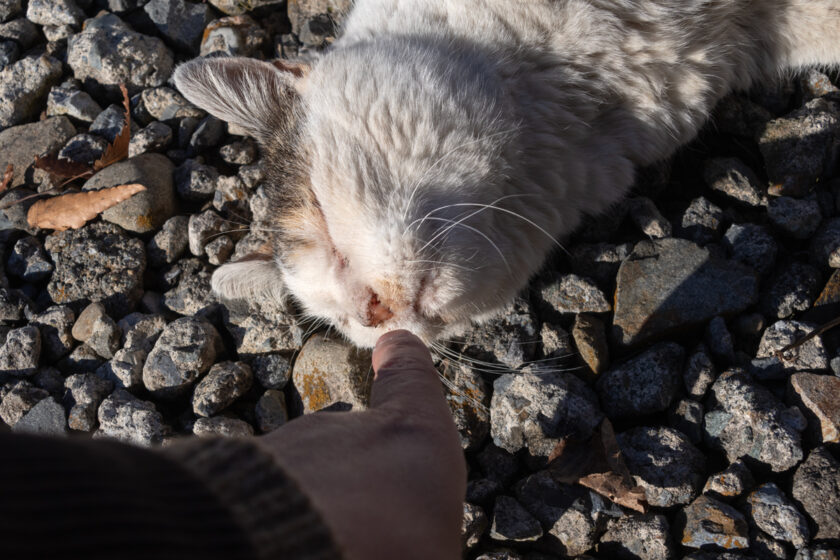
column 466, row 393
column 709, row 523
column 818, row 397
column 330, row 372
column 591, row 341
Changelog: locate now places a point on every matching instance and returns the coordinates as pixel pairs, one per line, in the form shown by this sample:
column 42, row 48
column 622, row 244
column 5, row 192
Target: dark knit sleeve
column 210, row 499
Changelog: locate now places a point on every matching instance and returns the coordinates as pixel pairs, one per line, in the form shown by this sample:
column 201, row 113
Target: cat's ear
column 255, row 278
column 252, row 94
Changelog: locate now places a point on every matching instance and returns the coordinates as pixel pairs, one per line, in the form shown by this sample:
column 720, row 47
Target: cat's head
column 390, row 183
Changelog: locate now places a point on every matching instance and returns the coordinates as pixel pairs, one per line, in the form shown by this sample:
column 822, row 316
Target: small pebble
column 223, row 384
column 222, row 426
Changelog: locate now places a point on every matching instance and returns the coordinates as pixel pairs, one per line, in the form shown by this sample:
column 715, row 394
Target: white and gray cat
column 421, row 170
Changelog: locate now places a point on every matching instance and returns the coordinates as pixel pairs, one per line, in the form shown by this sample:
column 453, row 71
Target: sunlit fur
column 433, row 155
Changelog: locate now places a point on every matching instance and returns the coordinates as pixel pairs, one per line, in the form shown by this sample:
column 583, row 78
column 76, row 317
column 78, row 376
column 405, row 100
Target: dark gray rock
column 571, row 293
column 46, row 417
column 270, row 411
column 222, row 426
column 208, row 133
column 233, row 199
column 223, row 384
column 83, row 359
column 195, row 181
column 203, row 228
column 644, row 384
column 68, row 99
column 331, row 373
column 467, row 395
column 24, row 85
column 21, row 31
column 13, row 304
column 233, row 36
column 816, row 489
column 28, row 261
column 638, row 537
column 109, row 123
column 85, row 392
column 512, row 522
column 473, row 525
column 219, row 250
column 733, row 178
column 745, row 419
column 508, row 340
column 699, row 373
column 167, row 105
column 97, row 263
column 19, row 398
column 108, row 52
column 124, row 417
column 796, row 217
column 261, row 328
column 168, row 244
column 180, row 23
column 590, row 338
column 709, row 524
column 21, row 351
column 9, row 53
column 672, row 284
column 647, row 218
column 719, row 340
column 752, row 245
column 55, row 324
column 54, row 12
column 771, row 511
column 192, row 293
column 791, row 289
column 141, row 331
column 818, row 553
column 239, row 152
column 555, row 342
column 686, row 416
column 272, row 371
column 313, row 21
column 156, row 137
column 104, row 338
column 807, row 356
column 702, row 221
column 83, row 148
column 10, row 8
column 145, row 211
column 733, row 482
column 664, row 463
column 599, row 261
column 536, row 410
column 125, row 369
column 185, row 350
column 825, row 246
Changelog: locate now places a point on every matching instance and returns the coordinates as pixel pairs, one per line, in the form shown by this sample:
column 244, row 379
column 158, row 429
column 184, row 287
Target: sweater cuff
column 265, row 501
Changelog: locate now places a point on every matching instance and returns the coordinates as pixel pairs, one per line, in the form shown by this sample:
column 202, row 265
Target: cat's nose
column 377, row 312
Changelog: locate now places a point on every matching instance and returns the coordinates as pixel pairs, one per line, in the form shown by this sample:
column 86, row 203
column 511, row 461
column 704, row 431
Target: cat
column 421, row 170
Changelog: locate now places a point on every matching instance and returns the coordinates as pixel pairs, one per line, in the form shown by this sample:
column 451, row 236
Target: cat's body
column 424, row 166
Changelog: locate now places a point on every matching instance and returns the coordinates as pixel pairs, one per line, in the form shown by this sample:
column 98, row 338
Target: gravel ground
column 664, row 316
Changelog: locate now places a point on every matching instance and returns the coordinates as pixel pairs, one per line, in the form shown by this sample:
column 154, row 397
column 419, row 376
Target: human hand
column 389, row 481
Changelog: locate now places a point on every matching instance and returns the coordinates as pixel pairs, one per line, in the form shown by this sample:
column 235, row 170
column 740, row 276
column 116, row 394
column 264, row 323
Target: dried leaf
column 7, row 177
column 614, row 487
column 118, row 149
column 75, row 209
column 63, row 168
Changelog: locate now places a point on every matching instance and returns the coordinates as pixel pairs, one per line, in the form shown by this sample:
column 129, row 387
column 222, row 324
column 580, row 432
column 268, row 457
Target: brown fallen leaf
column 74, row 210
column 62, row 168
column 118, row 149
column 598, row 465
column 7, row 177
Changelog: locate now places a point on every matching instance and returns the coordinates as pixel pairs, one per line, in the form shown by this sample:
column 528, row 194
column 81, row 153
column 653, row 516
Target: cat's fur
column 423, row 167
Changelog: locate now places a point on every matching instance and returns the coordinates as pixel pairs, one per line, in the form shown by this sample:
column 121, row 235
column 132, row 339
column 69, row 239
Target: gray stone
column 816, row 489
column 83, row 359
column 733, row 482
column 466, row 393
column 672, row 284
column 10, row 8
column 12, row 305
column 168, row 244
column 23, row 87
column 555, row 342
column 816, row 84
column 124, row 417
column 638, row 537
column 817, row 553
column 192, row 294
column 316, row 21
column 55, row 324
column 109, row 123
column 818, row 397
column 85, row 392
column 219, row 250
column 50, row 380
column 56, row 33
column 83, row 148
column 719, row 339
column 141, row 331
column 46, row 418
column 574, row 294
column 223, row 384
column 97, row 263
column 232, row 198
column 699, row 373
column 9, row 53
column 773, row 512
column 107, row 53
column 590, row 338
column 473, row 525
column 710, row 524
column 125, row 369
column 807, row 356
column 156, row 137
column 239, row 152
column 798, row 146
column 233, row 36
column 17, row 203
column 208, row 133
column 270, row 411
column 29, row 262
column 686, row 416
column 512, row 522
column 67, row 99
column 796, row 217
column 222, row 426
column 19, row 399
column 702, row 221
column 331, row 373
column 261, row 327
column 647, row 218
column 21, row 351
column 537, row 410
column 664, row 463
column 791, row 289
column 508, row 340
column 643, row 385
column 147, row 210
column 195, row 181
column 83, row 327
column 185, row 350
column 745, row 419
column 54, row 12
column 179, row 22
column 825, row 246
column 733, row 178
column 22, row 31
column 105, row 337
column 237, row 7
column 167, row 105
